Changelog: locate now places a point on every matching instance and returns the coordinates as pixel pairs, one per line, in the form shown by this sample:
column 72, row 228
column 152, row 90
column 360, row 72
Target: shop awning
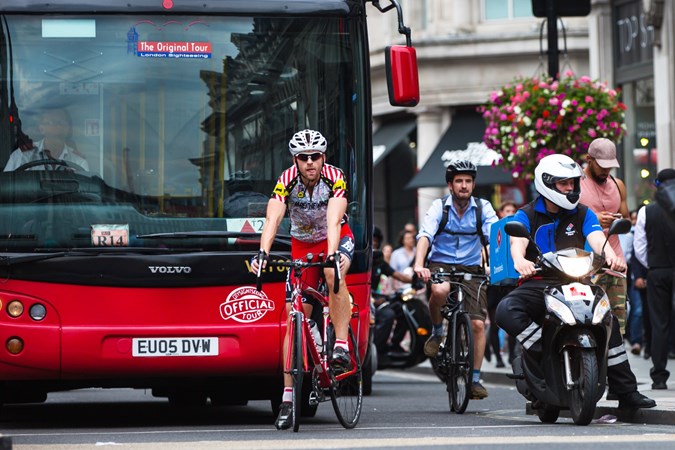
column 463, row 140
column 388, row 136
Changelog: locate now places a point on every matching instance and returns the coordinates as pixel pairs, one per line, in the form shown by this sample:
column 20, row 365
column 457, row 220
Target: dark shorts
column 313, row 277
column 475, row 291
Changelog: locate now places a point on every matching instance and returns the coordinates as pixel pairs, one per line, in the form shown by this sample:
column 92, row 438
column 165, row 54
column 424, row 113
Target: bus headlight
column 14, row 345
column 37, row 311
column 15, row 308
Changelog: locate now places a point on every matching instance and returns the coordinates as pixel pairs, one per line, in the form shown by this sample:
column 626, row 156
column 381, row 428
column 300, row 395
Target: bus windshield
column 161, row 131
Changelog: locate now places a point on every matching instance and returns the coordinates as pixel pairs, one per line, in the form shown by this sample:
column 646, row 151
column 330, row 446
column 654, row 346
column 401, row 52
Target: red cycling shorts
column 300, row 249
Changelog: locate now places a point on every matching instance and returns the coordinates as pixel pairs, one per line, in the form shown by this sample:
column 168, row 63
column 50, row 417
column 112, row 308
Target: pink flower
column 539, row 119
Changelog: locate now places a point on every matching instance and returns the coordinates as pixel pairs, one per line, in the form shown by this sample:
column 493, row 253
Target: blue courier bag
column 502, row 272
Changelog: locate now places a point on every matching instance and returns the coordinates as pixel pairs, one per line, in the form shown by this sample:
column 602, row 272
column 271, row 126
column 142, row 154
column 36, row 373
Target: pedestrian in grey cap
column 605, row 195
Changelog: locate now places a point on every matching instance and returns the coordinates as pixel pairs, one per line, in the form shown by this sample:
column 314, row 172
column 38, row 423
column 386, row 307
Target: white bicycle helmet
column 554, row 168
column 307, row 141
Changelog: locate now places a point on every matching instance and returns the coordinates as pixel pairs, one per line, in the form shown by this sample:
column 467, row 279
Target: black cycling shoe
column 340, row 361
column 285, row 418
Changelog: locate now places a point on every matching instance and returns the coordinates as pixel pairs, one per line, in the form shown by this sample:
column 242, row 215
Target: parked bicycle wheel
column 347, row 393
column 461, row 370
column 297, row 369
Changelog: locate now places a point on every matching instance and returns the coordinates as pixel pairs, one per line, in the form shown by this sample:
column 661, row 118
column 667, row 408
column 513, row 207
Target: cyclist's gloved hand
column 417, row 282
column 261, row 256
column 342, row 259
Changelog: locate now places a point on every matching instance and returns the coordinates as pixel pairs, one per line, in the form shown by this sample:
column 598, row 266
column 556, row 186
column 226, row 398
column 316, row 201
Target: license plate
column 184, row 346
column 577, row 291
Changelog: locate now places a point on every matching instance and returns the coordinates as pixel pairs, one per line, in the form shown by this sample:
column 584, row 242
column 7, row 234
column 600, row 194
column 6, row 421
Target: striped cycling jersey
column 308, row 212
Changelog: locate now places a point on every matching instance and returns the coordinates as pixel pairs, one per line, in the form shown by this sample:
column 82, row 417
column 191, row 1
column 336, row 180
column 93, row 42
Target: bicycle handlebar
column 299, row 264
column 438, row 277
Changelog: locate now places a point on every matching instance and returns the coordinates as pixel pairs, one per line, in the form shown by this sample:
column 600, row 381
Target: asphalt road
column 406, row 410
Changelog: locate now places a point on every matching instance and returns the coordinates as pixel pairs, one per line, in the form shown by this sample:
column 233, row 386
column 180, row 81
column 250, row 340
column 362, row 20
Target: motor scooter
column 572, row 371
column 409, row 311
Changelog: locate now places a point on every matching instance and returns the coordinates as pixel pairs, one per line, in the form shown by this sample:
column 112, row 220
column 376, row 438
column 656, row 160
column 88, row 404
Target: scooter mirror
column 620, row 226
column 516, row 229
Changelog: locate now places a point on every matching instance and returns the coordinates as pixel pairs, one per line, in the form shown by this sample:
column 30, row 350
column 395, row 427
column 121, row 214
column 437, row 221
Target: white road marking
column 343, row 443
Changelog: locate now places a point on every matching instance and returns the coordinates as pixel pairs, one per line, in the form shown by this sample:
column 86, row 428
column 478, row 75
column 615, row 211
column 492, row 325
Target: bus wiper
column 280, row 238
column 6, row 261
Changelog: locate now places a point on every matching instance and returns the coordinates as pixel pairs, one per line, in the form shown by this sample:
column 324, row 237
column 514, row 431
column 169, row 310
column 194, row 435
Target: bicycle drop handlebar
column 298, row 265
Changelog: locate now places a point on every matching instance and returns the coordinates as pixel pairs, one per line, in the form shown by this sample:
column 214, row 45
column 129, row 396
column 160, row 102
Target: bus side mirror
column 402, row 78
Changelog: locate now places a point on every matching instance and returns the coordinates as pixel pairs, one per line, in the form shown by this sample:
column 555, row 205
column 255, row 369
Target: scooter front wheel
column 582, row 397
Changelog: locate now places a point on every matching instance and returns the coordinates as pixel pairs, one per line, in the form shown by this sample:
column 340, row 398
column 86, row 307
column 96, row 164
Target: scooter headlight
column 578, row 265
column 601, row 309
column 561, row 310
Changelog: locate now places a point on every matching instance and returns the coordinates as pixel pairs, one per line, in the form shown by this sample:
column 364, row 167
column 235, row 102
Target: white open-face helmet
column 554, row 168
column 307, row 141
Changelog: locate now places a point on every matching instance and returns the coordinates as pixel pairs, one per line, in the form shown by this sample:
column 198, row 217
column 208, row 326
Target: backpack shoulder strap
column 444, row 218
column 479, row 221
column 479, row 228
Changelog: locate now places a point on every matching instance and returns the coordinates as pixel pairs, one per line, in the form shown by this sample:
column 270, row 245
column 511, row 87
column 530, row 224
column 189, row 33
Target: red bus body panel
column 89, row 335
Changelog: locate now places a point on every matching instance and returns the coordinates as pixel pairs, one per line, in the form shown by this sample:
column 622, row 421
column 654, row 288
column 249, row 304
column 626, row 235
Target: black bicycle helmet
column 460, row 167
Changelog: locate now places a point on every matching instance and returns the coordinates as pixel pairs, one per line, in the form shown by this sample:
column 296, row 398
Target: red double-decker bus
column 140, row 141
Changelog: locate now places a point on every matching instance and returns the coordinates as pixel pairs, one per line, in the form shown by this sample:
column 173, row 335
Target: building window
column 506, row 9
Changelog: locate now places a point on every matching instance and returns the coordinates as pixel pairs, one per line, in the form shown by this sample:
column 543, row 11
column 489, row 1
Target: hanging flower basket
column 531, row 118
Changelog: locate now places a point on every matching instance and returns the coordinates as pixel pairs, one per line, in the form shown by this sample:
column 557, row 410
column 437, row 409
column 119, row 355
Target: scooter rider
column 556, row 220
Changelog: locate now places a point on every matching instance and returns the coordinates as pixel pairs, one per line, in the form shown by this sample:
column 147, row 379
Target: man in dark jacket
column 654, row 246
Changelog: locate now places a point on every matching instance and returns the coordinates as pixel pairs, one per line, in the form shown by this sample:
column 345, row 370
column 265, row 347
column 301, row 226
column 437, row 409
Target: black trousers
column 646, row 323
column 660, row 294
column 521, row 314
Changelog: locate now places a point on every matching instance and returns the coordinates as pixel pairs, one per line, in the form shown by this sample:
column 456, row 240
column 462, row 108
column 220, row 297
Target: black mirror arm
column 402, row 29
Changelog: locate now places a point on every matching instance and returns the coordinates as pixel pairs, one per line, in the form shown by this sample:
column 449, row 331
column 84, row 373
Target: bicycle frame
column 454, row 366
column 302, row 355
column 312, row 360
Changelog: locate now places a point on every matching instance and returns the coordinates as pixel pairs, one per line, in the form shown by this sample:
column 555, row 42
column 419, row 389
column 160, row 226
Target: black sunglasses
column 304, row 157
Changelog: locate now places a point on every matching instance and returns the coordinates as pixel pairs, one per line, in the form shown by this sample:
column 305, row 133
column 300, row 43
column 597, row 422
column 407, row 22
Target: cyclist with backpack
column 454, row 232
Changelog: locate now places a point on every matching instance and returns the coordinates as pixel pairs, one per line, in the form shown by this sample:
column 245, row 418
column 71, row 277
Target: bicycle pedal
column 313, row 399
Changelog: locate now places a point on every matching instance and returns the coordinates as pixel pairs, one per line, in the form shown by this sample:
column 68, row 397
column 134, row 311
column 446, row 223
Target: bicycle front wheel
column 346, row 394
column 461, row 368
column 297, row 367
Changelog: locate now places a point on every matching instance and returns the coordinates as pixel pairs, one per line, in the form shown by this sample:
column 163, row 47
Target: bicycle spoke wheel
column 347, row 393
column 297, row 368
column 461, row 369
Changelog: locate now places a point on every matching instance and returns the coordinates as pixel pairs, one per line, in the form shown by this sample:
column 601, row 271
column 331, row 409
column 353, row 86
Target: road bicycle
column 454, row 362
column 308, row 359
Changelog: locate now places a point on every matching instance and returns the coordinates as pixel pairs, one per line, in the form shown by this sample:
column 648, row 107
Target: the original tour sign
column 246, row 304
column 147, row 49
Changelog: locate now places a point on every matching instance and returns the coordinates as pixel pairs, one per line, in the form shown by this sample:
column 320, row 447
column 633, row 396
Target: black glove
column 260, row 257
column 417, row 283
